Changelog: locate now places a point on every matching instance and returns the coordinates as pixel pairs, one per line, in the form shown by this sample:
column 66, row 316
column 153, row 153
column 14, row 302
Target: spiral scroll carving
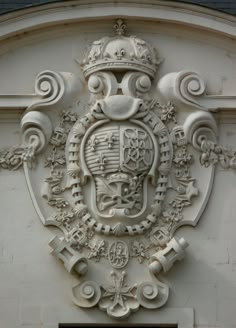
column 34, row 137
column 149, row 290
column 50, row 86
column 190, row 85
column 37, row 130
column 201, row 134
column 185, row 89
column 151, row 295
column 200, row 125
column 86, row 294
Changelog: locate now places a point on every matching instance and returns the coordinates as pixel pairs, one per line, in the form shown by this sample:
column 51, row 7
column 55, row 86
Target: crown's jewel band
column 121, row 53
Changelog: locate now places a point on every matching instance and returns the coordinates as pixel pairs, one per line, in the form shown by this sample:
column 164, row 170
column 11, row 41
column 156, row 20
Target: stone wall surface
column 34, row 286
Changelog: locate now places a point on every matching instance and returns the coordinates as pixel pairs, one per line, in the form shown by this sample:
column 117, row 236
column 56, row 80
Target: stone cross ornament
column 121, row 175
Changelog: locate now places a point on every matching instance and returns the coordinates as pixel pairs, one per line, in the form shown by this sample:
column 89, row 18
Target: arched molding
column 21, row 21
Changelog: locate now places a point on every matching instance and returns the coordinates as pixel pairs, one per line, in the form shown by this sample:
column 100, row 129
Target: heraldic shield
column 119, row 158
column 120, row 177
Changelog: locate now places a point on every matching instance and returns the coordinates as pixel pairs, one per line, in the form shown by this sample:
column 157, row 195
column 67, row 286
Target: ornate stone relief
column 121, row 179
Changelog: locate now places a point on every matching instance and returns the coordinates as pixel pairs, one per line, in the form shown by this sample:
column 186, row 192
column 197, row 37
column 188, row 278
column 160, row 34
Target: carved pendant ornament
column 120, row 179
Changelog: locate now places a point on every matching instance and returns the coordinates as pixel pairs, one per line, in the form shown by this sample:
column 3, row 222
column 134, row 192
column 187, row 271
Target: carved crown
column 120, row 53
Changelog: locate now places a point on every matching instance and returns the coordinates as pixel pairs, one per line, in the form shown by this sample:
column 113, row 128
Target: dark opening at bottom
column 62, row 325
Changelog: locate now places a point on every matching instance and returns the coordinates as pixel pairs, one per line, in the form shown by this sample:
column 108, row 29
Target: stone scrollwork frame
column 119, row 180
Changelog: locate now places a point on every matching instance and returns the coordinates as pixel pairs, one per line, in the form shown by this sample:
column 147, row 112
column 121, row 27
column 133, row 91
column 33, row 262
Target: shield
column 118, row 159
column 118, row 174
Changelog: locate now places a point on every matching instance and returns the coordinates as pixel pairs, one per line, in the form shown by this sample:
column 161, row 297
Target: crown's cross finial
column 120, row 27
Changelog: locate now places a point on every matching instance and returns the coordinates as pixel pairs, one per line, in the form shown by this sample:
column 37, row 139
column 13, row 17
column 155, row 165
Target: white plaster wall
column 34, row 287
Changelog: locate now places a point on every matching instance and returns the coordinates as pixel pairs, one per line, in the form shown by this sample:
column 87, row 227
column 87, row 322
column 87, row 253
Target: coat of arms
column 121, row 178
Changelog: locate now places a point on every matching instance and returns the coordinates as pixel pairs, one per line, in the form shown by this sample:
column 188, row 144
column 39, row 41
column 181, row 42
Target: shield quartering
column 119, row 158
